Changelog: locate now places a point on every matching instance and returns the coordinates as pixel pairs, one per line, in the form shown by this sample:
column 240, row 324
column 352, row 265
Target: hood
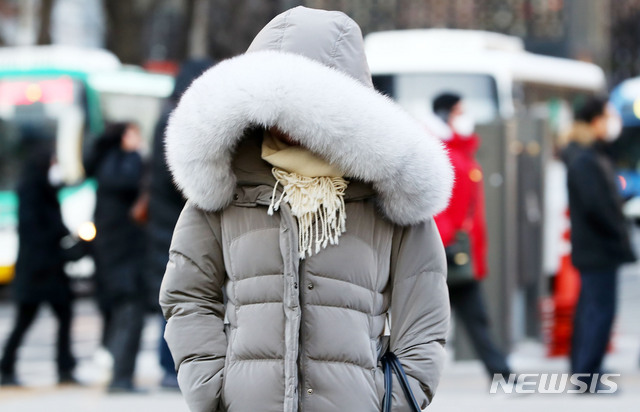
column 328, row 37
column 306, row 74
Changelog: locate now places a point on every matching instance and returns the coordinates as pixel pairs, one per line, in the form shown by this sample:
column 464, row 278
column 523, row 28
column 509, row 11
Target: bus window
column 27, row 126
column 384, row 84
column 142, row 110
column 415, row 92
column 550, row 102
column 44, row 109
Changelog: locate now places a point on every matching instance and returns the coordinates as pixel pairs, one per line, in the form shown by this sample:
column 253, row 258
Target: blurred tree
column 234, row 23
column 8, row 21
column 167, row 30
column 140, row 31
column 126, row 22
column 625, row 40
column 79, row 23
column 190, row 13
column 44, row 31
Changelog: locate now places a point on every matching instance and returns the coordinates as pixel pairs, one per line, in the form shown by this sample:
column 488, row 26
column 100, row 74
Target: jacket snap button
column 235, row 196
column 310, row 391
column 310, row 286
column 295, row 285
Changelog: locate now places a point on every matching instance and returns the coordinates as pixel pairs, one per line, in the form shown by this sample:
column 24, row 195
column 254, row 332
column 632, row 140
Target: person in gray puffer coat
column 275, row 303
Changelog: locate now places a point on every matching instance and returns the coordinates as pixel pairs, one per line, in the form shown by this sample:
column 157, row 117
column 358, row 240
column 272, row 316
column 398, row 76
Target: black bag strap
column 388, row 382
column 390, row 362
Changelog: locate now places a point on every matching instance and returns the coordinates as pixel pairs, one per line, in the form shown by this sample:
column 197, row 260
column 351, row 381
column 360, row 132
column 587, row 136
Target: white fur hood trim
column 349, row 124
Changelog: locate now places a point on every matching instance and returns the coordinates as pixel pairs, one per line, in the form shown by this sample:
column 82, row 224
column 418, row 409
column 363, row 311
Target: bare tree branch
column 44, row 32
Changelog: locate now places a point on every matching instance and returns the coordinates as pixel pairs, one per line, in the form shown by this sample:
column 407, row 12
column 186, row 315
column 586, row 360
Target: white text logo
column 554, row 383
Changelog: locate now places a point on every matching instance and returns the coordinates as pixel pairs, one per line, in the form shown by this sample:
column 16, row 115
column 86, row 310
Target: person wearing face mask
column 599, row 238
column 462, row 227
column 40, row 276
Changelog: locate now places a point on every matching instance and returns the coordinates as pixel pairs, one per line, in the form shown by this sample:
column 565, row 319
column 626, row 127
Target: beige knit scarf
column 313, row 188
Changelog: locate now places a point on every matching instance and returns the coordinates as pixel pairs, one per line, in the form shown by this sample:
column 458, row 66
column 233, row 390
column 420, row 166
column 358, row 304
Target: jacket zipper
column 301, row 374
column 289, row 219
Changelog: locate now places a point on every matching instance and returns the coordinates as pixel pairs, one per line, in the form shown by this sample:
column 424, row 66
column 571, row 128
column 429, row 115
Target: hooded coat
column 251, row 326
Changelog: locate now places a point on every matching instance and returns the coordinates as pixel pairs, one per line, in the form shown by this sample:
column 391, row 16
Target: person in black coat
column 40, row 275
column 599, row 238
column 165, row 205
column 117, row 167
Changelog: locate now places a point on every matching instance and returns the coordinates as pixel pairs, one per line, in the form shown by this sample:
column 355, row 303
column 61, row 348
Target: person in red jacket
column 462, row 227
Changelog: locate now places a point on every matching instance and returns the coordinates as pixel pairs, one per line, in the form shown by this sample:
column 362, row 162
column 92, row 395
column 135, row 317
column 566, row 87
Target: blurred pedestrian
column 165, row 205
column 40, row 276
column 119, row 247
column 599, row 238
column 310, row 203
column 462, row 226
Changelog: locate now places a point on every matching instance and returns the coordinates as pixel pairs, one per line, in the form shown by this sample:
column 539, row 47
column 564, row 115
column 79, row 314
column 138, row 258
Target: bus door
column 415, row 92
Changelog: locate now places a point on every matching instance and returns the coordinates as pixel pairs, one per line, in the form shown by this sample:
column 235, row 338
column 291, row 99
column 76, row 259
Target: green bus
column 66, row 94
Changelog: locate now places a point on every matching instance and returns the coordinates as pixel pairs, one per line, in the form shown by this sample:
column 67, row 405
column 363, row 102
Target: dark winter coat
column 119, row 244
column 39, row 268
column 165, row 201
column 165, row 205
column 599, row 237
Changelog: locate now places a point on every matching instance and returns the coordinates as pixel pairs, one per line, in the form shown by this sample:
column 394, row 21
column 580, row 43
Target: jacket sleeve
column 419, row 310
column 191, row 298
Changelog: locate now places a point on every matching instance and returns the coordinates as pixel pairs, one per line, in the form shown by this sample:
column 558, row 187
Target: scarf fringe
column 317, row 203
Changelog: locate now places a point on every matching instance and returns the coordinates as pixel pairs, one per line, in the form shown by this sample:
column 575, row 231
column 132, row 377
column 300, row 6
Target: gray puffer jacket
column 254, row 328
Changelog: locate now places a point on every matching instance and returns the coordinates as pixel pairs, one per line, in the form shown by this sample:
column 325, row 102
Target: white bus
column 492, row 71
column 499, row 81
column 522, row 102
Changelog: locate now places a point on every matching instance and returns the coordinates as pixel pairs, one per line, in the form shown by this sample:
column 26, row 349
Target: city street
column 463, row 387
column 496, row 140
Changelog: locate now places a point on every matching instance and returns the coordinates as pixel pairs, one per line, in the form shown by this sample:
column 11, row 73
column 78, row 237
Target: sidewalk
column 36, row 369
column 464, row 386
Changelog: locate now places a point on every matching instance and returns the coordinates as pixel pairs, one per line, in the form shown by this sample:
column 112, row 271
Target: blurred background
column 68, row 68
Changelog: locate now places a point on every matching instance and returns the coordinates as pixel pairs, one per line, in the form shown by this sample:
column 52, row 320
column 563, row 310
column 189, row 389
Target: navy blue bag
column 391, row 364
